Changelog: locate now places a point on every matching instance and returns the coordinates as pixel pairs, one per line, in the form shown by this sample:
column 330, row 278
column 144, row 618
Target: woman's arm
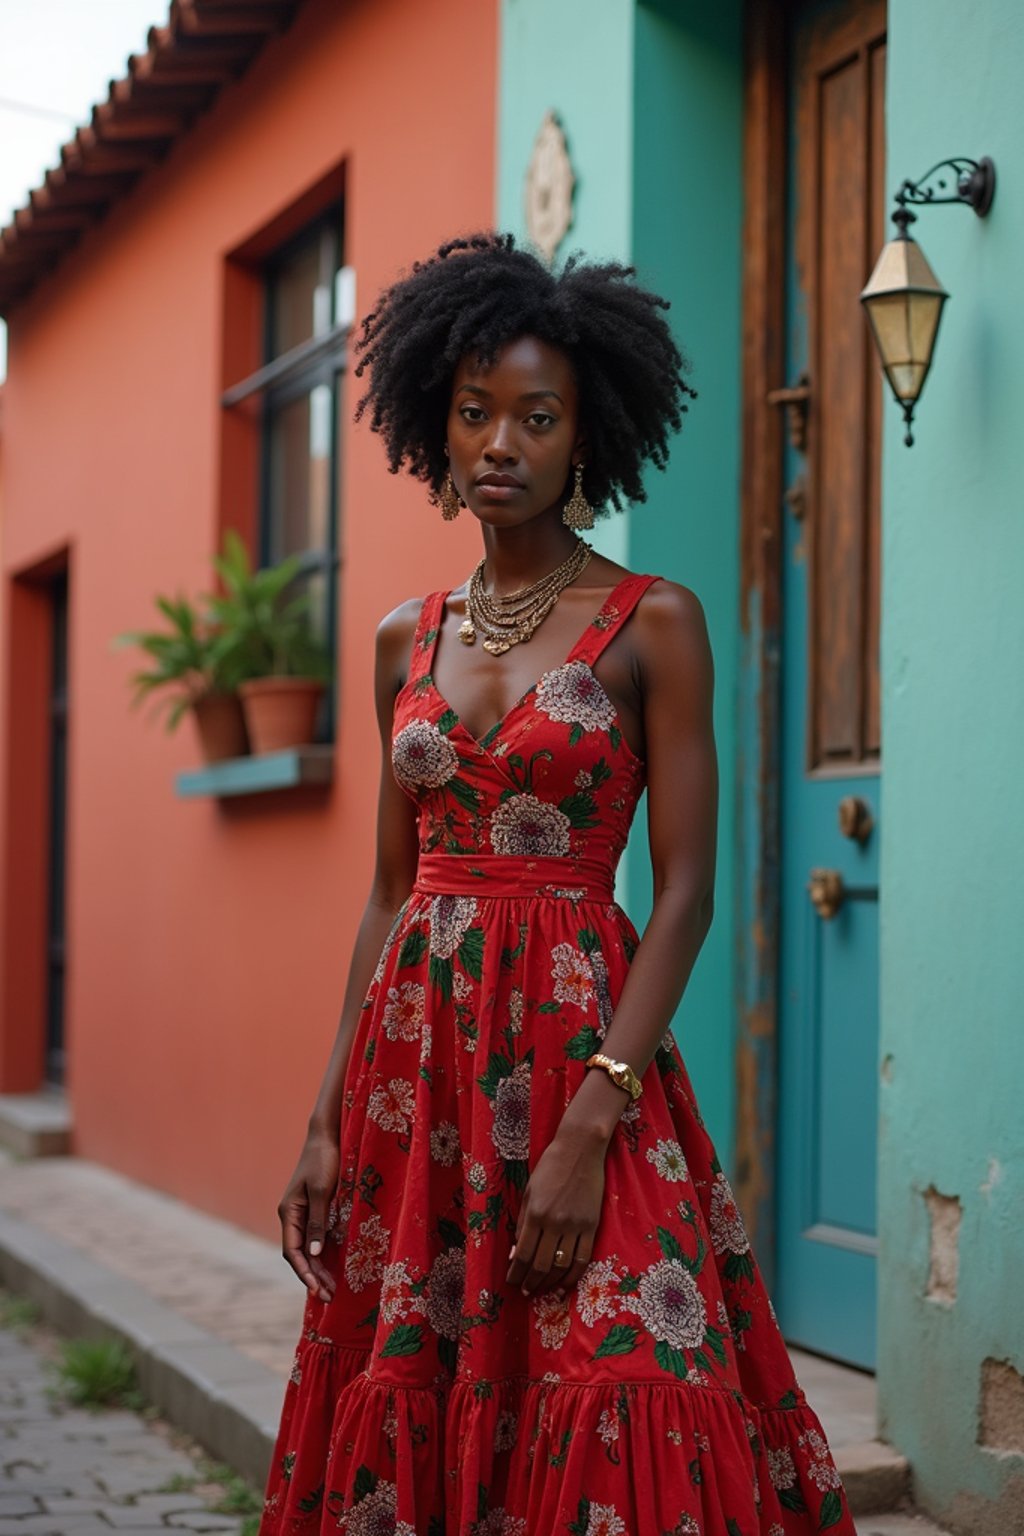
column 673, row 657
column 303, row 1207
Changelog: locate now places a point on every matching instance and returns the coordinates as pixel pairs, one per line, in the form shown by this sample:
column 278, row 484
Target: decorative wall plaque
column 549, row 188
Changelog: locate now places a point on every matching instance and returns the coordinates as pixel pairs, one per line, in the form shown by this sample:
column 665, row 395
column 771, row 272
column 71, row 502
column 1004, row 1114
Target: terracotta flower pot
column 220, row 723
column 280, row 712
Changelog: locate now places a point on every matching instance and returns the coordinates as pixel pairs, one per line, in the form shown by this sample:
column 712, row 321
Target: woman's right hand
column 303, row 1211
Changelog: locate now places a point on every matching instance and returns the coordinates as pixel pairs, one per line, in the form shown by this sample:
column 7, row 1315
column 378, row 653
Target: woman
column 532, row 1304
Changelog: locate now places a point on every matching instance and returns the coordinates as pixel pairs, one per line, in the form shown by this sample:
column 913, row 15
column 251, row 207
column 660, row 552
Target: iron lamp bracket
column 975, row 188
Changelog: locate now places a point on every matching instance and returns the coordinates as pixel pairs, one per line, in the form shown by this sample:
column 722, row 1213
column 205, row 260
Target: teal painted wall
column 952, row 962
column 687, row 222
column 651, row 104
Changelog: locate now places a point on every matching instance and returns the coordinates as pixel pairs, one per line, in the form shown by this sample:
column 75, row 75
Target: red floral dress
column 430, row 1397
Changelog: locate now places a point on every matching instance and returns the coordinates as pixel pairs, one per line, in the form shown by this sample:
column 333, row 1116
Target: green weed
column 98, row 1373
column 18, row 1313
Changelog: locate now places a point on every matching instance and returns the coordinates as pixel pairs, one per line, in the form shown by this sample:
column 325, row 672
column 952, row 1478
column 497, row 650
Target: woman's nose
column 502, row 443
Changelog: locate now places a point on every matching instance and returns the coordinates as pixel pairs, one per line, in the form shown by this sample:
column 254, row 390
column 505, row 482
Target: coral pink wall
column 208, row 942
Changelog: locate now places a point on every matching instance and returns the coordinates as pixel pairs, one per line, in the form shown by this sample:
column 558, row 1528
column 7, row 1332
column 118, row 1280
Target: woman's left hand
column 561, row 1208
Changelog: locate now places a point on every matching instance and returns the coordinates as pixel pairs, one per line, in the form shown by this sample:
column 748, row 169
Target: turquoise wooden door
column 830, row 791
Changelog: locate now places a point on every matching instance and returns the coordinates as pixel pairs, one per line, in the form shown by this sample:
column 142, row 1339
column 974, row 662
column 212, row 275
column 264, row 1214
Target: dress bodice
column 554, row 776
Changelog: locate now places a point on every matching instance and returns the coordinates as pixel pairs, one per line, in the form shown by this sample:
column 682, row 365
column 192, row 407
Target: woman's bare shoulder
column 395, row 634
column 401, row 621
column 671, row 625
column 668, row 602
column 664, row 603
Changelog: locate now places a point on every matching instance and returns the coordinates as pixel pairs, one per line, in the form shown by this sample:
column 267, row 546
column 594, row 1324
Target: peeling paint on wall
column 751, row 1152
column 995, row 1173
column 981, row 1517
column 1001, row 1407
column 944, row 1212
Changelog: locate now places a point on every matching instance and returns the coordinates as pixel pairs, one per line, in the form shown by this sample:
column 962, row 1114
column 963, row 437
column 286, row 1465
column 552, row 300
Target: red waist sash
column 515, row 875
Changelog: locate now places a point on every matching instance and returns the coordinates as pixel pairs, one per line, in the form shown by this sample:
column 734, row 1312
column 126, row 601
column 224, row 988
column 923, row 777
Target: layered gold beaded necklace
column 509, row 620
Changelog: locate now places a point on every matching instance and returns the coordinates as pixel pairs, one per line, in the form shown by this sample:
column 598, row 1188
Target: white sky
column 57, row 58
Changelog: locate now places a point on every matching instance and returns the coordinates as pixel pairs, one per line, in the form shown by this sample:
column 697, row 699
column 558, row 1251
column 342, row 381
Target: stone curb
column 230, row 1404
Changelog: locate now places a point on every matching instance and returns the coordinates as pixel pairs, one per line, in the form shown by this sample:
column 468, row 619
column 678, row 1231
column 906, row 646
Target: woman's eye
column 540, row 418
column 478, row 416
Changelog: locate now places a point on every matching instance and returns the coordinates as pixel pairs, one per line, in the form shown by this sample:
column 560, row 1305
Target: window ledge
column 259, row 772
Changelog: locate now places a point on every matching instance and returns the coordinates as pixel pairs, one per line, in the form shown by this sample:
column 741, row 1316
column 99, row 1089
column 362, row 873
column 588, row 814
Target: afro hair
column 475, row 295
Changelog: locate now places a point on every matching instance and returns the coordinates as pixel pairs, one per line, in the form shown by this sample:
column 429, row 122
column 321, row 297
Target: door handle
column 796, row 398
column 855, row 819
column 827, row 891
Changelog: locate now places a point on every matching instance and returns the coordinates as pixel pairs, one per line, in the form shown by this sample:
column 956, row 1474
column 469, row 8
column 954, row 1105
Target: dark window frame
column 279, row 382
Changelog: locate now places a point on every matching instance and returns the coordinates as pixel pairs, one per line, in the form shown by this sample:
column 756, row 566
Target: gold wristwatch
column 620, row 1073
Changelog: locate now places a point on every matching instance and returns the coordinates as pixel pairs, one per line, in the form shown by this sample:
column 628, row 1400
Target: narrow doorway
column 56, row 941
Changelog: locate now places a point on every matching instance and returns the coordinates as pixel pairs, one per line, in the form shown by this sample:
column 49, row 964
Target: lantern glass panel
column 925, row 309
column 904, row 326
column 906, row 379
column 889, row 321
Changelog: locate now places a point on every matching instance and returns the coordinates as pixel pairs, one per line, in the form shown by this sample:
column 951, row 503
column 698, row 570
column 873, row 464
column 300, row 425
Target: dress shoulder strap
column 425, row 639
column 614, row 612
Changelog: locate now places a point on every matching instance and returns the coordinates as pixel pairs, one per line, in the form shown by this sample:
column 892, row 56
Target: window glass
column 301, row 291
column 299, row 473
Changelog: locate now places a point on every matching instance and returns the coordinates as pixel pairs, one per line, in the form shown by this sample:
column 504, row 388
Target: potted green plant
column 194, row 667
column 286, row 668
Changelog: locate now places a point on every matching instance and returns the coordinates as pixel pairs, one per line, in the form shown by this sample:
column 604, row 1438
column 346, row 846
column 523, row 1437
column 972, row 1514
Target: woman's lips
column 492, row 492
column 502, row 488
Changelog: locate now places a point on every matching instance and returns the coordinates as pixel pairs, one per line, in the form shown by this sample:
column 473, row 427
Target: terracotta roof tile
column 204, row 45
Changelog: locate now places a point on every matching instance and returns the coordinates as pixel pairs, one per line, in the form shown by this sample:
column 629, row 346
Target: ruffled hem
column 520, row 1456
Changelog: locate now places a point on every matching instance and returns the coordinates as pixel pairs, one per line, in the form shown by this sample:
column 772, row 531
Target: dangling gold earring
column 578, row 513
column 448, row 498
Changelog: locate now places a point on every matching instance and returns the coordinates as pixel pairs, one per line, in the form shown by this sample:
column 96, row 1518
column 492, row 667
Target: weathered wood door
column 830, row 790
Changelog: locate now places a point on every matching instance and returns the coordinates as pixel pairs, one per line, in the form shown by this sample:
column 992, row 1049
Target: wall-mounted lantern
column 903, row 298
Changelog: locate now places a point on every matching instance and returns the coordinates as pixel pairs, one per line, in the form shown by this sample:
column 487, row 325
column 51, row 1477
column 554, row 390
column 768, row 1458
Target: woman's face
column 513, row 432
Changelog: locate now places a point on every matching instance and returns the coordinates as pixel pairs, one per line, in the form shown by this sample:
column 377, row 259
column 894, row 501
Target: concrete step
column 876, row 1477
column 36, row 1124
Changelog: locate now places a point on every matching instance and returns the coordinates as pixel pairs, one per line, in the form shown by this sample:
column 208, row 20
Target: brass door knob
column 827, row 891
column 855, row 819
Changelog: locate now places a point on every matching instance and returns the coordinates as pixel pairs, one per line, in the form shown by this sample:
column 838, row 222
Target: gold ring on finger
column 559, row 1256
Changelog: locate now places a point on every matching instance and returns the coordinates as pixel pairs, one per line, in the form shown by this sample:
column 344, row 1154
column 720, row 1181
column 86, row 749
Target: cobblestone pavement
column 70, row 1471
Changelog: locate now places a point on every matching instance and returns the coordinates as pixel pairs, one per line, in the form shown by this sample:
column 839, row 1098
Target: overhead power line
column 27, row 108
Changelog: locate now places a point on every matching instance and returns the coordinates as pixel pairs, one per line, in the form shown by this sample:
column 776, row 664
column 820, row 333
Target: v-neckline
column 482, row 743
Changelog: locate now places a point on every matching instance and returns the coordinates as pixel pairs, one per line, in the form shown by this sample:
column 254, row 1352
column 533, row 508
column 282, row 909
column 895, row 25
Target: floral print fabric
column 429, row 1397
